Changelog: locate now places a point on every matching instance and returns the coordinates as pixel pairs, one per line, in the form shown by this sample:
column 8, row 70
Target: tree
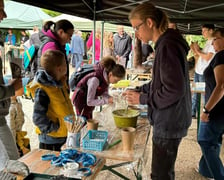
column 51, row 13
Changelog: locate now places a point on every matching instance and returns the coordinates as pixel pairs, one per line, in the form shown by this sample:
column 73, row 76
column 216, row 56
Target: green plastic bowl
column 125, row 118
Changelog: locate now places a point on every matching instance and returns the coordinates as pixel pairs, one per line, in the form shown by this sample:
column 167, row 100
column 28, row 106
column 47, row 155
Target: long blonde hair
column 107, row 43
column 98, row 34
column 148, row 10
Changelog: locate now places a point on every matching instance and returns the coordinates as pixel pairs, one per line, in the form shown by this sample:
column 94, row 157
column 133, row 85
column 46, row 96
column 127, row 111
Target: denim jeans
column 210, row 140
column 164, row 155
column 77, row 60
column 195, row 97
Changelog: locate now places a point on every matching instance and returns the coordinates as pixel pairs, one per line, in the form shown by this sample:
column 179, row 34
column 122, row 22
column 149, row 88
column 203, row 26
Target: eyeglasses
column 136, row 28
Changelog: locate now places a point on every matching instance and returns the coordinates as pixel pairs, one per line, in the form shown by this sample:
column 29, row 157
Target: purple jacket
column 52, row 45
column 79, row 97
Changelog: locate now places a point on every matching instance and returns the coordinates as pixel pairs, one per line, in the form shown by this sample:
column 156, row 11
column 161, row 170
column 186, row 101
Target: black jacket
column 168, row 95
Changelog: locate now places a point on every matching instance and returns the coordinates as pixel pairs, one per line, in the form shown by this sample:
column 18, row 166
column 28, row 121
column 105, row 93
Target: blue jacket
column 77, row 45
column 11, row 41
column 46, row 115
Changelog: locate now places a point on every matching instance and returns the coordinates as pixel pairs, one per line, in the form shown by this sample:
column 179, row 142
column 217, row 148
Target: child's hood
column 44, row 78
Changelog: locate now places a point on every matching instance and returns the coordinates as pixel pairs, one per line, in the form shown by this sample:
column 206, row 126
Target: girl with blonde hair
column 108, row 44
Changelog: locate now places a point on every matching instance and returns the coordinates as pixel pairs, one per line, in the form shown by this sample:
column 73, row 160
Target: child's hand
column 25, row 150
column 110, row 100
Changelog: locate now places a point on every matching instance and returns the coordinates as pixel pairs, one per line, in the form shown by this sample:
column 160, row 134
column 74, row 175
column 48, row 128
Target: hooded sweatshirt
column 168, row 94
column 53, row 44
column 51, row 105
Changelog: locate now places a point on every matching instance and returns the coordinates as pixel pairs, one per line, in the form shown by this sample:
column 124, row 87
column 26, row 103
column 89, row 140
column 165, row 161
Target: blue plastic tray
column 94, row 140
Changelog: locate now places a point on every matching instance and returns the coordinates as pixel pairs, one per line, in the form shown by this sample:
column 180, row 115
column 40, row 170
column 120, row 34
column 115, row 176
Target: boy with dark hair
column 205, row 56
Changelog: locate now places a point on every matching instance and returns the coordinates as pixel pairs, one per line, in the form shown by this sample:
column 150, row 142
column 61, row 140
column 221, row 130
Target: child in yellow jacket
column 51, row 100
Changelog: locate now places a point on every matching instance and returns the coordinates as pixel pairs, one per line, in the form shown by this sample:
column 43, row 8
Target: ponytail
column 148, row 10
column 110, row 65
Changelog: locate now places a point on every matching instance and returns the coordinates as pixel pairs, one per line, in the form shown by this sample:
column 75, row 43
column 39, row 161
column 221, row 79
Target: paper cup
column 70, row 169
column 128, row 137
column 92, row 124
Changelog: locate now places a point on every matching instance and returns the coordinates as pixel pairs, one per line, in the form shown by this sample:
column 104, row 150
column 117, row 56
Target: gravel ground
column 188, row 155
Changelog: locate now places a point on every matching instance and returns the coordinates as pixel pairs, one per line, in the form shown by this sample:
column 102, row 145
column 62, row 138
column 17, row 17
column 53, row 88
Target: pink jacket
column 50, row 45
column 97, row 46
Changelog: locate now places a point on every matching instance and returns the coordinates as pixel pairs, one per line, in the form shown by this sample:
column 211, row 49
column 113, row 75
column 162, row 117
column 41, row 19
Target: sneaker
column 197, row 169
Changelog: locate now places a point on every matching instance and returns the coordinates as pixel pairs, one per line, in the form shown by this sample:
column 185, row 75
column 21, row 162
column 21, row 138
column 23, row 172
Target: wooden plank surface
column 36, row 165
column 116, row 152
column 114, row 133
column 138, row 73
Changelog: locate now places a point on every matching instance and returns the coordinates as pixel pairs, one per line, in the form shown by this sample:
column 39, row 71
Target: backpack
column 32, row 55
column 79, row 74
column 28, row 56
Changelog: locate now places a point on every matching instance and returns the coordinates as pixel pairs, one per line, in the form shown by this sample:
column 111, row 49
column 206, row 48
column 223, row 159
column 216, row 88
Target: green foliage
column 51, row 13
column 84, row 35
column 196, row 38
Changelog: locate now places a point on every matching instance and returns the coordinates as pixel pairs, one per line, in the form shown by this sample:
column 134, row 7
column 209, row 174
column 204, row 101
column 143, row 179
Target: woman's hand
column 132, row 97
column 204, row 117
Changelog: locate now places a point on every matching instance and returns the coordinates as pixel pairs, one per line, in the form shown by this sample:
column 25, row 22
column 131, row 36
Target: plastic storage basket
column 94, row 140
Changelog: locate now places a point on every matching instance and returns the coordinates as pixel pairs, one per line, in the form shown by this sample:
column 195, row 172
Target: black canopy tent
column 188, row 14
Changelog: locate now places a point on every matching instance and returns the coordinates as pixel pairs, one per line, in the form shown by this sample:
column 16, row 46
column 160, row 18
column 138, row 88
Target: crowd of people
column 171, row 106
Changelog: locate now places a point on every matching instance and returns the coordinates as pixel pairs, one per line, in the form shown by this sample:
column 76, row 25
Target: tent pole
column 94, row 30
column 133, row 50
column 101, row 40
